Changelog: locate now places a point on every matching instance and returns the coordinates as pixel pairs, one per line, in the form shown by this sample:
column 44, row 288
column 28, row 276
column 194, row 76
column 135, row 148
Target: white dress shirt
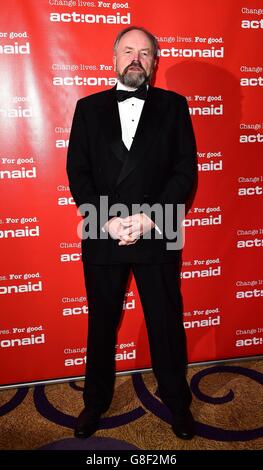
column 130, row 112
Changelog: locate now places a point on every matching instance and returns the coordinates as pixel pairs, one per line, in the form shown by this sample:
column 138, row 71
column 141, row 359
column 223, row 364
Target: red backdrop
column 54, row 52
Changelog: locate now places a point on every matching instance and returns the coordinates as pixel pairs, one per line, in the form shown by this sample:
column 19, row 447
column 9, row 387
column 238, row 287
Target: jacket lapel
column 150, row 124
column 148, row 128
column 110, row 121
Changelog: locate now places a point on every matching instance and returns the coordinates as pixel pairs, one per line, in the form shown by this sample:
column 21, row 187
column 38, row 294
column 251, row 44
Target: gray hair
column 150, row 36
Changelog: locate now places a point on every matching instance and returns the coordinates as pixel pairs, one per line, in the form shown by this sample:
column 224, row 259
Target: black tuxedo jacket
column 159, row 168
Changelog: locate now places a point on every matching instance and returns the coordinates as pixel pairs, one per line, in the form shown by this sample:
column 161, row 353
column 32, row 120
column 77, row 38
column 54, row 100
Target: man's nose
column 136, row 56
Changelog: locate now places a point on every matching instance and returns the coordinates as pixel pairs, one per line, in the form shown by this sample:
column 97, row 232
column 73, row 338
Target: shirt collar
column 120, row 86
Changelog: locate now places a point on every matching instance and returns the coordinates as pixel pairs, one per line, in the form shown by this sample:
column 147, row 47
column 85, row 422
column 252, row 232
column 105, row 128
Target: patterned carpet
column 227, row 406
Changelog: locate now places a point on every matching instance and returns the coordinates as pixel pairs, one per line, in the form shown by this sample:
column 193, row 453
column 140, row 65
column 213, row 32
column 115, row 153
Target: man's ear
column 114, row 62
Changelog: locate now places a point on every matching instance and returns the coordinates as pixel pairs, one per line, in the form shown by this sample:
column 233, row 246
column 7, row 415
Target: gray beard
column 133, row 80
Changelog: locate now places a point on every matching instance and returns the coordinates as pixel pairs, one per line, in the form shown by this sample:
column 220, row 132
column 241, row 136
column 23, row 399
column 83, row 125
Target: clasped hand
column 129, row 229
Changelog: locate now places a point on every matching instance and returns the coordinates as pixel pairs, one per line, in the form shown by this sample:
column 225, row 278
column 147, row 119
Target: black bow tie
column 140, row 93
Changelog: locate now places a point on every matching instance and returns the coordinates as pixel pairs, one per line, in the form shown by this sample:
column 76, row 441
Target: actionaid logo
column 21, row 288
column 21, row 173
column 31, row 340
column 89, row 18
column 15, row 48
column 252, row 24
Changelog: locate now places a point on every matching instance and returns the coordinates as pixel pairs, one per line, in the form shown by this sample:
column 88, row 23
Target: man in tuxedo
column 132, row 157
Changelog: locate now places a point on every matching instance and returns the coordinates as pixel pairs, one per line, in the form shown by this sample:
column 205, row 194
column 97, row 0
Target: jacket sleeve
column 81, row 181
column 182, row 180
column 78, row 164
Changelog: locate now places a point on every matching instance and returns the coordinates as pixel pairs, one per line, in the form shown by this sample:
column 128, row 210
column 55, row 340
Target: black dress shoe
column 87, row 423
column 183, row 425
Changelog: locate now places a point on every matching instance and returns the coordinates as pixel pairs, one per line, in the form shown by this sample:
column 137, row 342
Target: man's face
column 133, row 60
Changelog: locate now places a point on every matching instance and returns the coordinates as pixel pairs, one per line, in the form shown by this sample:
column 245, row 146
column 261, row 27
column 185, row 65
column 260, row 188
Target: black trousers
column 158, row 286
